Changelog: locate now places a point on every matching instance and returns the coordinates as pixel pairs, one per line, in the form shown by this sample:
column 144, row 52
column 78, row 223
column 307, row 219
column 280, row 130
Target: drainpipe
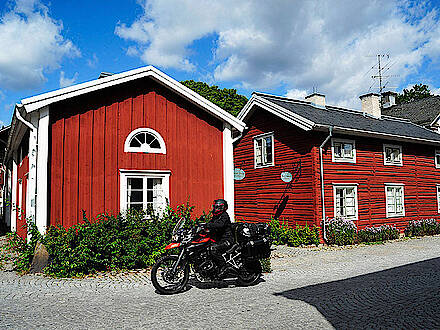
column 24, row 121
column 330, row 131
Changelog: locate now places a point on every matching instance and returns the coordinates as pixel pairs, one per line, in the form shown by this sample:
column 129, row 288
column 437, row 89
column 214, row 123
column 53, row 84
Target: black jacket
column 221, row 228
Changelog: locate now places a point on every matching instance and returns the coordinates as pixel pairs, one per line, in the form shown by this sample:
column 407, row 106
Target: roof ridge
column 284, row 98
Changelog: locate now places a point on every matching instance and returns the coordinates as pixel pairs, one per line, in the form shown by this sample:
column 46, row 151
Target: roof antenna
column 382, row 66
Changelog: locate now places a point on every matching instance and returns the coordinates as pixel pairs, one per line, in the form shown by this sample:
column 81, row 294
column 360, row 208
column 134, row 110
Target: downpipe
column 330, row 134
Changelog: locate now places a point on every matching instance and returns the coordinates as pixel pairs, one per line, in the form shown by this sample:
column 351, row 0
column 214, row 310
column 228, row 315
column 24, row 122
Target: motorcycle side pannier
column 254, row 239
column 257, row 249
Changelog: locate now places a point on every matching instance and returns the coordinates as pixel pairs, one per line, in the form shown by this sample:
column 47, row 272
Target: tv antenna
column 382, row 66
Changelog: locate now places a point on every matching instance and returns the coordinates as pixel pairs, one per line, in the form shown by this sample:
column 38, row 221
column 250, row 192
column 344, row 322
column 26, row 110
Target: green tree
column 227, row 99
column 417, row 92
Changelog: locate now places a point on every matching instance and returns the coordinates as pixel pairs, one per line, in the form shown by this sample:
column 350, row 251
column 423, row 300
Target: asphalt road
column 394, row 285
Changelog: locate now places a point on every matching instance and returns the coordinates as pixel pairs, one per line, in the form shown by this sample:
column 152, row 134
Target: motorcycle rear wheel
column 251, row 274
column 164, row 280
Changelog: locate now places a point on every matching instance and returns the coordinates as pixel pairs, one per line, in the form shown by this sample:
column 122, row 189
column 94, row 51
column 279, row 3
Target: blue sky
column 281, row 47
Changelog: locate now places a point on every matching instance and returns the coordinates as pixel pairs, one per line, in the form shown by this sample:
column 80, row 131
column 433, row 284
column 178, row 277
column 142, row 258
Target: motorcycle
column 170, row 274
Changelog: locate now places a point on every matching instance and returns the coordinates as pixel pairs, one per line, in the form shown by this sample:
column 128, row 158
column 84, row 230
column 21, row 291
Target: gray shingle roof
column 353, row 120
column 422, row 112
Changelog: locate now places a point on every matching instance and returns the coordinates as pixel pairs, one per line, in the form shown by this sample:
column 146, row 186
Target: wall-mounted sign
column 286, row 176
column 239, row 174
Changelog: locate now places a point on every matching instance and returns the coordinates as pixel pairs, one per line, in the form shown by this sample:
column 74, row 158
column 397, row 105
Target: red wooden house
column 360, row 165
column 129, row 140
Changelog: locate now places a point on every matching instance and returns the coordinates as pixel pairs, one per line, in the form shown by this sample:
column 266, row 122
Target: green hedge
column 283, row 234
column 108, row 243
column 422, row 228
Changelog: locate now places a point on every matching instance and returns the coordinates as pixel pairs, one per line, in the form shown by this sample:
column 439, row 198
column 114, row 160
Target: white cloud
column 297, row 94
column 92, row 62
column 31, row 44
column 296, row 44
column 64, row 81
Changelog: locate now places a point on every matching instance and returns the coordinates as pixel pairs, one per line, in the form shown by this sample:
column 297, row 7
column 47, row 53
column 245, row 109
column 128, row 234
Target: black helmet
column 219, row 206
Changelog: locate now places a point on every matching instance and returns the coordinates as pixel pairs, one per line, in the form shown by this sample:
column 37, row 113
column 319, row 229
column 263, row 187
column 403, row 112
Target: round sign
column 286, row 176
column 239, row 174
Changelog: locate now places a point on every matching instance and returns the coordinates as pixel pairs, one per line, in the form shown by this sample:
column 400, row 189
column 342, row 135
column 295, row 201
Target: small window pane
column 135, row 143
column 149, row 138
column 135, row 183
column 155, row 144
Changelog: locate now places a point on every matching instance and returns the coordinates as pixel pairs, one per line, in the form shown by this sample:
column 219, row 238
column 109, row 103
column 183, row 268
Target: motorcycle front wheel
column 251, row 273
column 165, row 280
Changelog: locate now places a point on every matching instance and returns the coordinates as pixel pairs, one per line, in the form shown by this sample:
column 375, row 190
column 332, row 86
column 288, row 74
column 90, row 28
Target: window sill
column 396, row 216
column 393, row 164
column 344, row 160
column 264, row 166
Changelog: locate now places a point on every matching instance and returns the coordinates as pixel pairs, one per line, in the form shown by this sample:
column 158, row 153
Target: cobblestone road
column 395, row 285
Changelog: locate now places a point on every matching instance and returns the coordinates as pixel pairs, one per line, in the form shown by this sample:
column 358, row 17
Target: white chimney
column 371, row 104
column 388, row 99
column 316, row 99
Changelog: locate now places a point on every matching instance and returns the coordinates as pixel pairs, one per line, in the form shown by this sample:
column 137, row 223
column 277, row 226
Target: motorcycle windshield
column 179, row 226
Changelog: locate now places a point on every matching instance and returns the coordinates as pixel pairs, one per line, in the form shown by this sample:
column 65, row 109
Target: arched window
column 145, row 140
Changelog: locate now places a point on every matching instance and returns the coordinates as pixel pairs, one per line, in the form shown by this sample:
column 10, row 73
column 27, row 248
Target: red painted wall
column 262, row 188
column 22, row 176
column 418, row 174
column 259, row 192
column 87, row 149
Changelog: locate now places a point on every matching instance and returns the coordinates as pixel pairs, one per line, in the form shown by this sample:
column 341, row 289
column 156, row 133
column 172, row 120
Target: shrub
column 422, row 227
column 265, row 265
column 23, row 250
column 111, row 242
column 280, row 233
column 340, row 231
column 377, row 234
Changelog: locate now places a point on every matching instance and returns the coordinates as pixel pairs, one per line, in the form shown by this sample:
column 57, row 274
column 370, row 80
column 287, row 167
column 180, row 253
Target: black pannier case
column 254, row 239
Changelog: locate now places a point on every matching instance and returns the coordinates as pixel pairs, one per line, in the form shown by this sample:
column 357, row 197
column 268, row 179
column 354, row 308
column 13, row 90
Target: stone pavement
column 394, row 285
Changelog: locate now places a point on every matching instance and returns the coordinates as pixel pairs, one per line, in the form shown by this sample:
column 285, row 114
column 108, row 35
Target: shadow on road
column 401, row 297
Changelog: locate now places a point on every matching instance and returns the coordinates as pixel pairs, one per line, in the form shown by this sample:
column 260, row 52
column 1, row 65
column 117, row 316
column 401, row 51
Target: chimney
column 316, row 99
column 371, row 104
column 388, row 99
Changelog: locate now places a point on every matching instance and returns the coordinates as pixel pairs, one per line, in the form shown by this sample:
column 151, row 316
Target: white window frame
column 343, row 159
column 394, row 146
column 145, row 148
column 395, row 214
column 156, row 174
column 437, row 154
column 438, row 197
column 262, row 136
column 356, row 206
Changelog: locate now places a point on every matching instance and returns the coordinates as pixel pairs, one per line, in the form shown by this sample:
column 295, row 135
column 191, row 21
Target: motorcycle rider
column 221, row 228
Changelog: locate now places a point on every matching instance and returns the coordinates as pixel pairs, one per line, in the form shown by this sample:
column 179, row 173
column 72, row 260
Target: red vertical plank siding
column 85, row 169
column 22, row 174
column 138, row 122
column 125, row 113
column 172, row 142
column 98, row 164
column 86, row 163
column 56, row 178
column 160, row 104
column 111, row 159
column 70, row 196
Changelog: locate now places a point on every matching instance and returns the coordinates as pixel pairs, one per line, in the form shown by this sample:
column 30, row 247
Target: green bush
column 377, row 234
column 422, row 228
column 126, row 241
column 340, row 231
column 24, row 250
column 266, row 265
column 280, row 233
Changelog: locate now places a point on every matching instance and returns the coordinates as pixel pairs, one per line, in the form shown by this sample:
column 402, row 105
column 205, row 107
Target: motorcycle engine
column 205, row 266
